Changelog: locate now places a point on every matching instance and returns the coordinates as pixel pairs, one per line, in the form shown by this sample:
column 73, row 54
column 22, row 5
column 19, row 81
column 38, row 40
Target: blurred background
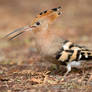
column 75, row 24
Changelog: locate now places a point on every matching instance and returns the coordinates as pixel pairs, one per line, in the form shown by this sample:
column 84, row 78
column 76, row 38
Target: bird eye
column 37, row 23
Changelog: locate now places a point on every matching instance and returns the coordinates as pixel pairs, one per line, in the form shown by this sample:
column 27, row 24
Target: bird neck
column 48, row 42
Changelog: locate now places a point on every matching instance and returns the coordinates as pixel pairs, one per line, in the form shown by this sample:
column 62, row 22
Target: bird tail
column 86, row 55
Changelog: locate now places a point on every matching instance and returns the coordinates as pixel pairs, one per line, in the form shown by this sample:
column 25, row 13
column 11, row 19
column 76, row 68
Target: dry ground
column 22, row 69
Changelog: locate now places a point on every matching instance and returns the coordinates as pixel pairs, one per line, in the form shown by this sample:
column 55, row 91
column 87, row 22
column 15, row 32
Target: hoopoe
column 52, row 46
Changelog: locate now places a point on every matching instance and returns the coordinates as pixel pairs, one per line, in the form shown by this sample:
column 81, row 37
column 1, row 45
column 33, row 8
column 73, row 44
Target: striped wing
column 72, row 52
column 68, row 45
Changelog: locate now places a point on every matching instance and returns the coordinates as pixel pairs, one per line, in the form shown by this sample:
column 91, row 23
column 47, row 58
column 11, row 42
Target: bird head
column 40, row 22
column 45, row 18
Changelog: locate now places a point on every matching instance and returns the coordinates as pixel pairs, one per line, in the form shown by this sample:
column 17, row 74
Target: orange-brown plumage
column 51, row 45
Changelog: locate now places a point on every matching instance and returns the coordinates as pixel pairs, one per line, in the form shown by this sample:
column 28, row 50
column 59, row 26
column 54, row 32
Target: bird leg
column 68, row 70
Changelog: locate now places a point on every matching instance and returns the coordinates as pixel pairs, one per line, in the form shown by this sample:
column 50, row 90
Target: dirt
column 33, row 78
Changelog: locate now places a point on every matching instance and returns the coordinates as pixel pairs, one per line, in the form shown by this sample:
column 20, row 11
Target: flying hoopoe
column 52, row 46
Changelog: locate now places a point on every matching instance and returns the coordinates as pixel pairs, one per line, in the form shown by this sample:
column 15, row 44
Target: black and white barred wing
column 72, row 52
column 74, row 55
column 68, row 45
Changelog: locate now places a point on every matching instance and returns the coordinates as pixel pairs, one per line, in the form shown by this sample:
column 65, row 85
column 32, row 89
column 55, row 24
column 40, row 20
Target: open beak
column 19, row 31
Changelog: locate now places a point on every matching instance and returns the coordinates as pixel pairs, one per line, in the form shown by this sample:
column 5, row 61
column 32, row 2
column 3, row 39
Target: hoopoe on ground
column 52, row 46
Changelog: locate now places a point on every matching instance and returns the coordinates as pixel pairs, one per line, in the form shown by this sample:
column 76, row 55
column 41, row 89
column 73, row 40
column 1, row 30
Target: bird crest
column 51, row 14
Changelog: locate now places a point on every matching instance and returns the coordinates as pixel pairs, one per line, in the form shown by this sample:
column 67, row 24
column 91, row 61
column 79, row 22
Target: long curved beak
column 19, row 31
